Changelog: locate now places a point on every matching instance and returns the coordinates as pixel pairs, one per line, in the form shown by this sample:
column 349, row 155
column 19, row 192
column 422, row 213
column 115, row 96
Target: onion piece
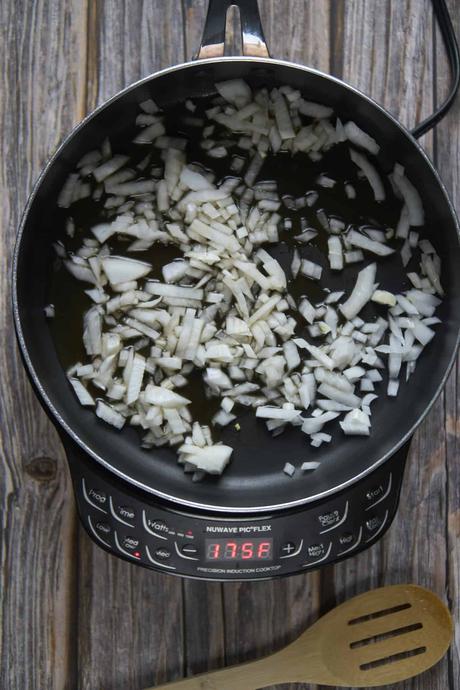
column 235, row 91
column 362, row 292
column 358, row 240
column 309, row 466
column 411, row 198
column 315, row 110
column 163, row 397
column 358, row 137
column 84, row 397
column 295, row 265
column 109, row 415
column 267, row 412
column 312, row 425
column 109, row 167
column 335, row 253
column 310, row 269
column 211, row 459
column 283, row 119
column 370, row 173
column 384, row 297
column 356, row 423
column 120, row 269
column 289, row 469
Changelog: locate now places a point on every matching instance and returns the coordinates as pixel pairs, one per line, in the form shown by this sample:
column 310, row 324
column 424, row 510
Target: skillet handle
column 252, row 35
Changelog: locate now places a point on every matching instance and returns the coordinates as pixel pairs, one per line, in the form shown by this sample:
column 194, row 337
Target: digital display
column 239, row 549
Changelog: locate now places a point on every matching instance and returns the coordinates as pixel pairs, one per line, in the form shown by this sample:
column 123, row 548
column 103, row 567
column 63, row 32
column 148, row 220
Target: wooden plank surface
column 42, row 92
column 70, row 615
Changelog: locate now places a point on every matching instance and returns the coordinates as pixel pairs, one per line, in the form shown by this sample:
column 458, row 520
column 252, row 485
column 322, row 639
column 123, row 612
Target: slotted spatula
column 383, row 636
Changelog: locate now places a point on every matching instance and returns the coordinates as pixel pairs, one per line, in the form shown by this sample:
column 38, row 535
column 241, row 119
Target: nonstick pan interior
column 254, row 480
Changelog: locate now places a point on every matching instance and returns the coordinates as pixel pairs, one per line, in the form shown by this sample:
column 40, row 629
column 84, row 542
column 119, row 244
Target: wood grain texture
column 447, row 157
column 42, row 97
column 72, row 616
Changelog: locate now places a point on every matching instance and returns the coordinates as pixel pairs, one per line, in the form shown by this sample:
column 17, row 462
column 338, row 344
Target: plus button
column 288, row 548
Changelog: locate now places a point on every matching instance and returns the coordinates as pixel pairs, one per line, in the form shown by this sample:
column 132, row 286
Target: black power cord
column 450, row 42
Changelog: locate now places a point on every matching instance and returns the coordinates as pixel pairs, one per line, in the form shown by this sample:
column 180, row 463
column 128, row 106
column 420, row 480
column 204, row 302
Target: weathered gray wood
column 129, row 624
column 298, row 31
column 447, row 156
column 42, row 96
column 95, row 622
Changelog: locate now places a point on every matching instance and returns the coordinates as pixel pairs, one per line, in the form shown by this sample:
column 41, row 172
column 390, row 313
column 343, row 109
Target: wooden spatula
column 383, row 636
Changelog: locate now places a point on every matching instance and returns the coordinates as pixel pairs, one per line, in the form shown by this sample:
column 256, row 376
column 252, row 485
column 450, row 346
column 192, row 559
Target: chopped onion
column 289, row 469
column 211, row 459
column 109, row 415
column 224, row 306
column 120, row 269
column 335, row 253
column 84, row 397
column 358, row 240
column 235, row 91
column 309, row 466
column 362, row 292
column 310, row 269
column 360, row 138
column 163, row 397
column 371, row 173
column 411, row 198
column 356, row 423
column 384, row 297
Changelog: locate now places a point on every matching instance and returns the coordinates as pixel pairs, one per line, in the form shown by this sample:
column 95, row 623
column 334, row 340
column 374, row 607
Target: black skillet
column 254, row 481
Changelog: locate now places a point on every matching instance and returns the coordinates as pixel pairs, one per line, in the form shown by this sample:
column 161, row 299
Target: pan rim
column 41, row 388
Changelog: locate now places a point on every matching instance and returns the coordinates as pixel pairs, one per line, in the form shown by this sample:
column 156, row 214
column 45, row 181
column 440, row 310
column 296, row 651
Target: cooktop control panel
column 133, row 526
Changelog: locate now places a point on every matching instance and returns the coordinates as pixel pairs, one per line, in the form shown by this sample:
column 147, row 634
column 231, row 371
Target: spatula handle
column 249, row 676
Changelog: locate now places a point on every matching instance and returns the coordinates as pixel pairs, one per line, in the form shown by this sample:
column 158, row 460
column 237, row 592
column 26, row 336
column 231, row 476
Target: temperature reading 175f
column 239, row 549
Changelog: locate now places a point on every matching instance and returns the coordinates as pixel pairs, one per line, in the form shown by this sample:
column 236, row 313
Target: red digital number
column 264, row 550
column 230, row 550
column 214, row 551
column 247, row 550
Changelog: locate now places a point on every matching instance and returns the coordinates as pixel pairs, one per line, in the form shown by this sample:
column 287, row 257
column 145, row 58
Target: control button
column 162, row 554
column 289, row 549
column 185, row 553
column 130, row 543
column 96, row 533
column 95, row 497
column 349, row 542
column 125, row 512
column 329, row 519
column 332, row 519
column 160, row 559
column 375, row 525
column 346, row 539
column 378, row 493
column 126, row 549
column 122, row 513
column 158, row 528
column 375, row 493
column 100, row 497
column 103, row 527
column 316, row 550
column 318, row 553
